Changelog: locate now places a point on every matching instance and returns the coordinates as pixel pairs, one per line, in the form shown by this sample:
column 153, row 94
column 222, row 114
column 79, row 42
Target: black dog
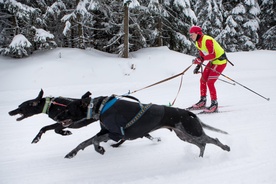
column 124, row 119
column 53, row 107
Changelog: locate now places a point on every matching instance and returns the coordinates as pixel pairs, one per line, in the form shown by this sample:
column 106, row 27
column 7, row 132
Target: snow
column 239, row 9
column 42, row 35
column 252, row 24
column 19, row 41
column 248, row 118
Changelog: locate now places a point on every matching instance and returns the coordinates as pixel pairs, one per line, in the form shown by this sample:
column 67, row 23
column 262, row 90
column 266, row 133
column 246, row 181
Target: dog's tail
column 205, row 125
column 212, row 128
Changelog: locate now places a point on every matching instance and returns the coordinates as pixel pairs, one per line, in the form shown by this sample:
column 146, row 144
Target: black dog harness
column 108, row 104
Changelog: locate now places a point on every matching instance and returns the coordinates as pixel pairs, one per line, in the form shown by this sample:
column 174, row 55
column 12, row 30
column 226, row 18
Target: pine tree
column 241, row 25
column 52, row 12
column 40, row 24
column 268, row 25
column 19, row 47
column 23, row 28
column 117, row 39
column 77, row 21
column 19, row 19
column 210, row 16
column 176, row 24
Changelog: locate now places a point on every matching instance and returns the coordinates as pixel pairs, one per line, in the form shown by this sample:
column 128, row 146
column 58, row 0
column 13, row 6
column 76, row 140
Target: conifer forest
column 122, row 26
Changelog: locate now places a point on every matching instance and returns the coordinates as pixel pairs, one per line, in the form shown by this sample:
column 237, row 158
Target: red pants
column 209, row 77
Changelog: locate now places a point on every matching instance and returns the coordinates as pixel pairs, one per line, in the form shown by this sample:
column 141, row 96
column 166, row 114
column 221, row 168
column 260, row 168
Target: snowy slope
column 249, row 119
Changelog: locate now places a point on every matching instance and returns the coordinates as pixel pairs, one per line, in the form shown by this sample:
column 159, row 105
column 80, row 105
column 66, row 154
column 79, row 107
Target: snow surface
column 248, row 118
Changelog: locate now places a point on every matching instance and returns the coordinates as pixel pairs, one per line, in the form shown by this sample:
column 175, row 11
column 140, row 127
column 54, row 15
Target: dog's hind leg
column 94, row 140
column 118, row 144
column 183, row 135
column 216, row 142
column 155, row 139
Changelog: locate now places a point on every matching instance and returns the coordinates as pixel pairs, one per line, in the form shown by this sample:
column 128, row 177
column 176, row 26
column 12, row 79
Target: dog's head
column 29, row 108
column 76, row 110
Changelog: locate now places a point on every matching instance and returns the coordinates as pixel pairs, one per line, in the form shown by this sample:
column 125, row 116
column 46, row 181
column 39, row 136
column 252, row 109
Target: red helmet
column 196, row 29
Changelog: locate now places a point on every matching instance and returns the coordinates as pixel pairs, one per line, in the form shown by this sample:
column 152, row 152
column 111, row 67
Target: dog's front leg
column 94, row 140
column 43, row 130
column 81, row 146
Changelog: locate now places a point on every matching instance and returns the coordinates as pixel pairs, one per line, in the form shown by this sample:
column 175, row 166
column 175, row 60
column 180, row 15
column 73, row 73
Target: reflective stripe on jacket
column 219, row 51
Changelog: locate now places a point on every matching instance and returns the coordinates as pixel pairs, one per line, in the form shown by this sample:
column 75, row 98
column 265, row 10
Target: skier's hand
column 197, row 61
column 196, row 70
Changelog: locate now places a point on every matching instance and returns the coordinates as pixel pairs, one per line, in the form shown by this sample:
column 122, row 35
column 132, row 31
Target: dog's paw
column 66, row 132
column 71, row 154
column 156, row 139
column 226, row 148
column 100, row 150
column 35, row 140
column 118, row 144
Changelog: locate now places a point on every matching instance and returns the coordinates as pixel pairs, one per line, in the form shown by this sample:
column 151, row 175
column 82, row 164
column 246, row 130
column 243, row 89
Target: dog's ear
column 85, row 102
column 36, row 101
column 87, row 94
column 40, row 95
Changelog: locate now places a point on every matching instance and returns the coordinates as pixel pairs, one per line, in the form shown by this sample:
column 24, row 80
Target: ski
column 217, row 112
column 193, row 109
column 198, row 109
column 203, row 112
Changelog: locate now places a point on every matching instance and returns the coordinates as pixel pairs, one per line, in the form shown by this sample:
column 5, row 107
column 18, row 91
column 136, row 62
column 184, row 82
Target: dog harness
column 48, row 102
column 107, row 104
column 138, row 115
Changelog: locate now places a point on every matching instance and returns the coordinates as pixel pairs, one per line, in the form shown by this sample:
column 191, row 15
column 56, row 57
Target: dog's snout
column 13, row 112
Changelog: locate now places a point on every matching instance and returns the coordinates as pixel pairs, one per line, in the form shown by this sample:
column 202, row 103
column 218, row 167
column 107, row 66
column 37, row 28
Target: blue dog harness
column 108, row 104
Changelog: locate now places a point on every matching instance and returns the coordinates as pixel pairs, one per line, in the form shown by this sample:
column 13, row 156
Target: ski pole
column 227, row 82
column 238, row 83
column 224, row 81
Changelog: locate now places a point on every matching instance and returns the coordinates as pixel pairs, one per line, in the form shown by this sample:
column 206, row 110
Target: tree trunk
column 159, row 28
column 80, row 33
column 126, row 30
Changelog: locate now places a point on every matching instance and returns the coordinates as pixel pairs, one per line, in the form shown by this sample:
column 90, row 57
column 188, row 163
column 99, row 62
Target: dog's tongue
column 20, row 118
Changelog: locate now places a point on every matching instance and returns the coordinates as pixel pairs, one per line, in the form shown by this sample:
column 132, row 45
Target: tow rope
column 164, row 80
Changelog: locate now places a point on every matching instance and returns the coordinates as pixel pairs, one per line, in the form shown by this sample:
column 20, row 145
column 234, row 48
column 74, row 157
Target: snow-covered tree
column 268, row 25
column 44, row 39
column 24, row 19
column 99, row 24
column 76, row 22
column 241, row 25
column 176, row 24
column 210, row 16
column 52, row 12
column 17, row 18
column 115, row 29
column 19, row 47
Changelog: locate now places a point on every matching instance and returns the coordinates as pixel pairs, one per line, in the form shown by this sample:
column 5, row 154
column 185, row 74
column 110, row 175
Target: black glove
column 196, row 69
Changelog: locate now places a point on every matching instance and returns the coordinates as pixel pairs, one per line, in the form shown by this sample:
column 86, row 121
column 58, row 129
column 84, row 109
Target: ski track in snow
column 249, row 120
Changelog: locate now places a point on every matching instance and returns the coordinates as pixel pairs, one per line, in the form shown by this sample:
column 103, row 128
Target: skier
column 209, row 49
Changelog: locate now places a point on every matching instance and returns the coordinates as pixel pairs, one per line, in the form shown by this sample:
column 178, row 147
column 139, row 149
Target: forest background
column 117, row 26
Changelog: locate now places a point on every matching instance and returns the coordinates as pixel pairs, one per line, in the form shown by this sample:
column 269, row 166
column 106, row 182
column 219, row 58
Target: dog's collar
column 46, row 105
column 90, row 109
